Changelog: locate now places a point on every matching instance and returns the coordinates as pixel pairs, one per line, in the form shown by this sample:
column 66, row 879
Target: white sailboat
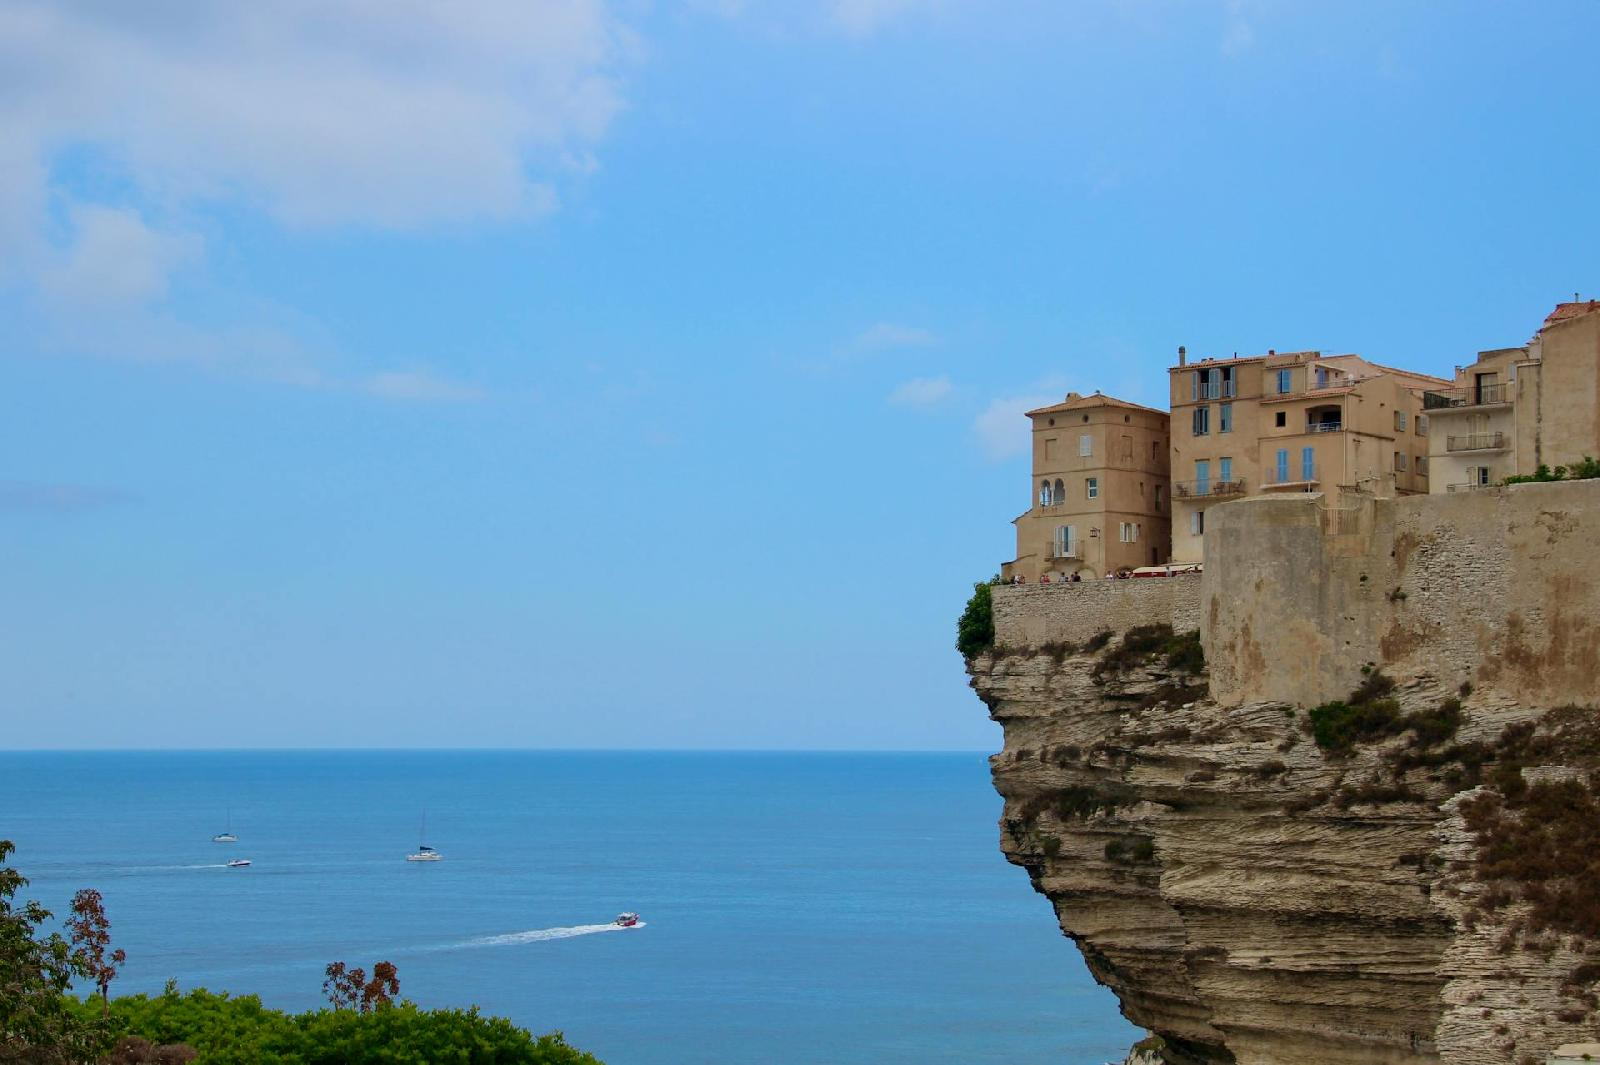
column 227, row 836
column 424, row 852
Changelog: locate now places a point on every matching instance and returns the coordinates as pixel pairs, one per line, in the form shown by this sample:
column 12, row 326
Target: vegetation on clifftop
column 1588, row 469
column 975, row 630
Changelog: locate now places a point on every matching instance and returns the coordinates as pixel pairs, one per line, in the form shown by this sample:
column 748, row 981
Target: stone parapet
column 1030, row 615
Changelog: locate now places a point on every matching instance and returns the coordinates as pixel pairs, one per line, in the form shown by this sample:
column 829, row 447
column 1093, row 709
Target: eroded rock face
column 1252, row 899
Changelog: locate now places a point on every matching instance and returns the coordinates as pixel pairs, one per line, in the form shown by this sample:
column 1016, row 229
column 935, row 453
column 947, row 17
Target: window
column 1159, row 494
column 1086, row 444
column 1478, row 475
column 1155, row 451
column 1202, row 421
column 1207, row 384
column 1420, row 462
column 1045, row 498
column 1227, row 380
column 1141, row 489
column 1130, row 532
column 1091, row 488
column 1225, row 418
column 1125, row 452
column 1225, row 469
column 1282, row 378
column 1400, row 461
column 1063, row 544
column 1399, row 421
column 1282, row 419
column 1049, row 448
column 1060, row 491
column 1202, row 476
column 1197, row 523
column 1322, row 379
column 1308, row 464
column 1282, row 468
column 1422, row 425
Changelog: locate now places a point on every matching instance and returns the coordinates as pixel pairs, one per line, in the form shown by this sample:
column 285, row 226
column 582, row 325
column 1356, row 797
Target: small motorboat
column 627, row 920
column 224, row 837
column 238, row 863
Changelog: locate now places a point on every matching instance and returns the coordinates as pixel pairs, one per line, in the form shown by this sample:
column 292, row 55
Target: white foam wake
column 542, row 935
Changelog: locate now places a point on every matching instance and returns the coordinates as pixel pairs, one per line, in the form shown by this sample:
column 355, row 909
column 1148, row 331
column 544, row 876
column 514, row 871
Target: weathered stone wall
column 1030, row 615
column 1497, row 587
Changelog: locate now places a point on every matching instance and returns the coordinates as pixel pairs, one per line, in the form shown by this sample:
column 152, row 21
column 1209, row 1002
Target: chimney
column 1272, row 351
column 1183, row 355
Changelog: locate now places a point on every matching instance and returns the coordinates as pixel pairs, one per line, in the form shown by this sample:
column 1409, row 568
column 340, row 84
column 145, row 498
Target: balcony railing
column 1206, row 489
column 1476, row 396
column 1296, row 476
column 1471, row 486
column 1059, row 550
column 1476, row 442
column 1324, row 427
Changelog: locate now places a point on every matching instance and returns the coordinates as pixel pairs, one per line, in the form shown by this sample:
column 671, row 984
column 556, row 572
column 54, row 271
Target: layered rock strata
column 1254, row 898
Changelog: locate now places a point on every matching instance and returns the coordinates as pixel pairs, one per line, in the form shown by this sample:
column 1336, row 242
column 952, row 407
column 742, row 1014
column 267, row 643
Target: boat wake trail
column 539, row 935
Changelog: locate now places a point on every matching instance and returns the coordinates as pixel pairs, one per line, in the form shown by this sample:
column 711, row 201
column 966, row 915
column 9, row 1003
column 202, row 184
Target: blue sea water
column 800, row 909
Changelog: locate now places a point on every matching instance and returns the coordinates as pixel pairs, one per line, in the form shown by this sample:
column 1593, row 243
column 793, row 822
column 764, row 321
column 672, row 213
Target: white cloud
column 420, row 385
column 886, row 335
column 114, row 259
column 921, row 392
column 1239, row 35
column 390, row 113
column 863, row 18
column 1002, row 431
column 34, row 497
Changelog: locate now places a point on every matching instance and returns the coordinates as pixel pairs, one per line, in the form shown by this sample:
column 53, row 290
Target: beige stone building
column 1515, row 409
column 1101, row 498
column 1292, row 422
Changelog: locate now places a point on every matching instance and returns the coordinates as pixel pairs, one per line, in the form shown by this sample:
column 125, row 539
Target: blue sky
column 649, row 374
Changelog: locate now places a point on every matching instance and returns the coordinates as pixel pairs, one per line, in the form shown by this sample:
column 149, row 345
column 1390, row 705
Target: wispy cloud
column 1000, row 428
column 884, row 336
column 18, row 497
column 922, row 392
column 420, row 386
column 1239, row 34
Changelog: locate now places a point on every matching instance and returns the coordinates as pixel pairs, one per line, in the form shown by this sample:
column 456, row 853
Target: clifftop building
column 1101, row 498
column 1515, row 409
column 1293, row 422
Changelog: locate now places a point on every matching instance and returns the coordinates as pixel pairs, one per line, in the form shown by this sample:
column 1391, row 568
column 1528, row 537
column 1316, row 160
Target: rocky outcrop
column 1259, row 890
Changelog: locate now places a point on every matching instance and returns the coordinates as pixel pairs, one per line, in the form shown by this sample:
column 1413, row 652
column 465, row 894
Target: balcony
column 1206, row 489
column 1476, row 442
column 1477, row 396
column 1300, row 480
column 1325, row 427
column 1059, row 550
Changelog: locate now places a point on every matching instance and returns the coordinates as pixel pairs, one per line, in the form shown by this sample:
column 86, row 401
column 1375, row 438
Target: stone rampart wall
column 1032, row 614
column 1497, row 587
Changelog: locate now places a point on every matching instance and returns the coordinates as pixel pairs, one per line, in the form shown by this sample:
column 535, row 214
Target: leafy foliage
column 350, row 988
column 90, row 930
column 1140, row 644
column 241, row 1031
column 37, row 1022
column 975, row 630
column 1588, row 469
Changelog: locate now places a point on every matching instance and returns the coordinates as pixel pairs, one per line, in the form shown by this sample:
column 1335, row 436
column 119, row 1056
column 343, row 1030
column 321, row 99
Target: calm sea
column 812, row 909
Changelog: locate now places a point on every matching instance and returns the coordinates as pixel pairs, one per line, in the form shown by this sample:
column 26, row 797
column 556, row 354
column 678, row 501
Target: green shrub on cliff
column 1588, row 469
column 241, row 1031
column 975, row 630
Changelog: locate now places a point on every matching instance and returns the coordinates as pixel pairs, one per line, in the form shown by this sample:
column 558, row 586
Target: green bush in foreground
column 241, row 1031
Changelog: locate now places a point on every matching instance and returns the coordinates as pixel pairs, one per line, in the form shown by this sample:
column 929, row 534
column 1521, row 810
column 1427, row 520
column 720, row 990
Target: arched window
column 1060, row 491
column 1044, row 493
